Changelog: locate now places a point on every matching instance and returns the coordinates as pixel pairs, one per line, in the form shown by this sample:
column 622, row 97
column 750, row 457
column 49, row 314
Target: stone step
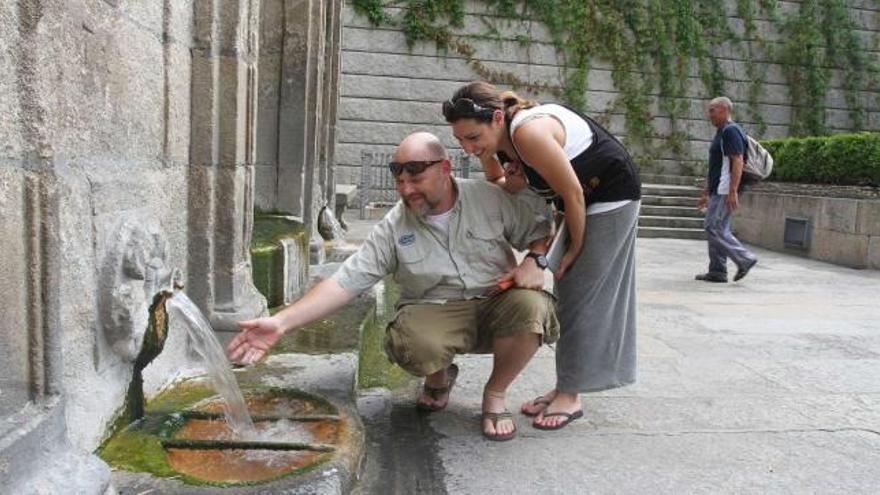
column 655, row 200
column 672, row 222
column 672, row 233
column 671, row 190
column 671, row 211
column 675, row 180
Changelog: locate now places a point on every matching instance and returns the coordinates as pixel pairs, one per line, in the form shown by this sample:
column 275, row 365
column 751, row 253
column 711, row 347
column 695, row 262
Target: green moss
column 269, row 229
column 138, row 447
column 267, row 254
column 137, row 451
column 374, row 368
column 338, row 333
column 180, row 396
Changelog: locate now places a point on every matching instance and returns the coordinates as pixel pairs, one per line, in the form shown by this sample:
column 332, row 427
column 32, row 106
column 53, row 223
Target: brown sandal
column 494, row 418
column 569, row 417
column 435, row 392
column 537, row 401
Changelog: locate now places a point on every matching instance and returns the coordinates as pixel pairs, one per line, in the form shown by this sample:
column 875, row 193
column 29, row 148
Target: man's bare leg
column 511, row 356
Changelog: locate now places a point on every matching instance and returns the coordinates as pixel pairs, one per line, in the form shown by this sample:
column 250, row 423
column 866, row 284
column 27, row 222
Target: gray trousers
column 597, row 306
column 722, row 243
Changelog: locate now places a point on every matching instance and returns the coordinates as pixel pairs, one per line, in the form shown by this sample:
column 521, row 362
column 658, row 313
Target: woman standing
column 569, row 158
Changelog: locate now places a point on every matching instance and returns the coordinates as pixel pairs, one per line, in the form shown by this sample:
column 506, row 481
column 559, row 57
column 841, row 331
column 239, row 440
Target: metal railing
column 376, row 185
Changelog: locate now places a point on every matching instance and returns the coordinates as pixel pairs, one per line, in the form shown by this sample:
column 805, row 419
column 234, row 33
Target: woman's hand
column 514, row 177
column 254, row 340
column 568, row 259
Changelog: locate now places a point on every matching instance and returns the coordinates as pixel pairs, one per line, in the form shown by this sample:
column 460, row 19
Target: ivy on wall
column 655, row 47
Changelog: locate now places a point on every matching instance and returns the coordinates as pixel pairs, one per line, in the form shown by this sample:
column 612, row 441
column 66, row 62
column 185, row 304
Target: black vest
column 605, row 170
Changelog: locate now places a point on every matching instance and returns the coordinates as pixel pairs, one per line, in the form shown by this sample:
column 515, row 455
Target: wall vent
column 797, row 233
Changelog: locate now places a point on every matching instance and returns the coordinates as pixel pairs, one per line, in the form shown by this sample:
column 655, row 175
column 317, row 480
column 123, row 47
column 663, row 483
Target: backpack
column 758, row 164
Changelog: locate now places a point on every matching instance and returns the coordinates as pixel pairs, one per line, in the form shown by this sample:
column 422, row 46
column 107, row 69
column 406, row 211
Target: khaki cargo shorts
column 424, row 338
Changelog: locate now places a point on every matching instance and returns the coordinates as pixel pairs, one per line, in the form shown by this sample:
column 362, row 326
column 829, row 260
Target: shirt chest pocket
column 485, row 236
column 488, row 253
column 414, row 273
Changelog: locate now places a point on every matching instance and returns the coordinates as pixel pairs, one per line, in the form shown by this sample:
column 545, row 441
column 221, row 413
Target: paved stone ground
column 769, row 385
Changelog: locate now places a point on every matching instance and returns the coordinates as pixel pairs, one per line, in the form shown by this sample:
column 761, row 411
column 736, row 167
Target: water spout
column 153, row 344
column 204, row 342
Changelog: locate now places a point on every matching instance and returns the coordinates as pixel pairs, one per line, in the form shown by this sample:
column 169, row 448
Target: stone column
column 221, row 177
column 332, row 69
column 300, row 106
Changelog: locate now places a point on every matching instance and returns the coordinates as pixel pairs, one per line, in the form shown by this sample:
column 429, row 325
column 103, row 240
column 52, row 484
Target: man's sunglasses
column 465, row 108
column 412, row 168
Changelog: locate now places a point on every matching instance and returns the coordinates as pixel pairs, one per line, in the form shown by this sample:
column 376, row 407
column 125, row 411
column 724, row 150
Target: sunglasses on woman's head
column 412, row 168
column 465, row 108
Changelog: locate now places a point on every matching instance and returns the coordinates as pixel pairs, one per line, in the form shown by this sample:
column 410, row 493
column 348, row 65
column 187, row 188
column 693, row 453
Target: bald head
column 420, row 146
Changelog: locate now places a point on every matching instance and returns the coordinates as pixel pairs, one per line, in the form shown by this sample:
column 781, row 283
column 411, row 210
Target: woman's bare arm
column 539, row 142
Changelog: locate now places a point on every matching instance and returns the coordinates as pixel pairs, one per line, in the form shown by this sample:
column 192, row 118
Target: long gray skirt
column 597, row 306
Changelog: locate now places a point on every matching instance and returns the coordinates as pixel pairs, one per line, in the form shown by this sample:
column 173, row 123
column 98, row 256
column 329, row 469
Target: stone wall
column 841, row 230
column 96, row 129
column 297, row 105
column 389, row 90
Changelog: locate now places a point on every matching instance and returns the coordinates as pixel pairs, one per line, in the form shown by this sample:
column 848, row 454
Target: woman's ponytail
column 514, row 103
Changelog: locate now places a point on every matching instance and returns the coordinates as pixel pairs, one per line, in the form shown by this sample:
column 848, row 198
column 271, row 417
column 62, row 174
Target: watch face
column 540, row 260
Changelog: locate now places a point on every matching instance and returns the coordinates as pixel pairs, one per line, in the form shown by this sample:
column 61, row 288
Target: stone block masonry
column 843, row 231
column 388, row 90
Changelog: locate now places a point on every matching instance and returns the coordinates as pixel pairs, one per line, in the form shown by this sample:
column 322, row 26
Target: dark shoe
column 436, row 392
column 494, row 418
column 712, row 277
column 742, row 271
column 569, row 417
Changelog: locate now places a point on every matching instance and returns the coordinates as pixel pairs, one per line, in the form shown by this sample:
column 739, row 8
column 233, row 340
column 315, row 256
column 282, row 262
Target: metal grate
column 797, row 233
column 376, row 184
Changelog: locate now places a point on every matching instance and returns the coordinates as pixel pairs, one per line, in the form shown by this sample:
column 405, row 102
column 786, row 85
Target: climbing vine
column 655, row 49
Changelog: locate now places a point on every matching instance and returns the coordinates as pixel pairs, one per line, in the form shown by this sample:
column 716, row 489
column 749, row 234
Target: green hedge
column 846, row 159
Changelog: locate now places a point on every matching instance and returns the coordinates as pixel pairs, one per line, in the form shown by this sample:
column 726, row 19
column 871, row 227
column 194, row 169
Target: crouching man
column 447, row 243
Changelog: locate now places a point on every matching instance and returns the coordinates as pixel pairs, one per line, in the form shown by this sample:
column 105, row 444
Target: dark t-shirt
column 734, row 141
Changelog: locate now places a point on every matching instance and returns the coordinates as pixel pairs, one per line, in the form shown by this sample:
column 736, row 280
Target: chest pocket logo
column 407, row 239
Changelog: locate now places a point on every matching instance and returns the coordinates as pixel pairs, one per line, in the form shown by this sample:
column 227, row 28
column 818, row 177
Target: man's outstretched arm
column 257, row 336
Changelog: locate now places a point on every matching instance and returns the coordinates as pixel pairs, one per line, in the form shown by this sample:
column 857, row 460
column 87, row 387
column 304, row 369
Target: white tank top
column 578, row 137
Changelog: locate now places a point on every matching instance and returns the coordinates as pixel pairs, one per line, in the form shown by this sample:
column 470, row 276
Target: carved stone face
column 135, row 268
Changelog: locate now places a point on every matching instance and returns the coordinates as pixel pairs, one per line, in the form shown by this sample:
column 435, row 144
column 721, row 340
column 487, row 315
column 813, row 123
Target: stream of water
column 205, row 343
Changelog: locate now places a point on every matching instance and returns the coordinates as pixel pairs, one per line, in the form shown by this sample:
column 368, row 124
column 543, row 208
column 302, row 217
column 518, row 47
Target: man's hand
column 702, row 203
column 732, row 201
column 527, row 275
column 254, row 340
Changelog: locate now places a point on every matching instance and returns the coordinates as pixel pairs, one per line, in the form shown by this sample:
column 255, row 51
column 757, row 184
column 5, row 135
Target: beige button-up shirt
column 485, row 223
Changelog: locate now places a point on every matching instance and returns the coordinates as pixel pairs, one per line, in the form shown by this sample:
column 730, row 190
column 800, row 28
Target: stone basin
column 185, row 436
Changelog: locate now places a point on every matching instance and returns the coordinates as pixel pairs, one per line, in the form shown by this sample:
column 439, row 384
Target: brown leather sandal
column 494, row 418
column 436, row 392
column 537, row 401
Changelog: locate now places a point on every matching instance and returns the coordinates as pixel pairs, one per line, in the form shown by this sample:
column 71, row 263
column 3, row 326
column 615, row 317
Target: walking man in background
column 720, row 198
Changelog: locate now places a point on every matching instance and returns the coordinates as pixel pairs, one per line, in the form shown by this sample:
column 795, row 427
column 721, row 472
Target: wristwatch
column 540, row 260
